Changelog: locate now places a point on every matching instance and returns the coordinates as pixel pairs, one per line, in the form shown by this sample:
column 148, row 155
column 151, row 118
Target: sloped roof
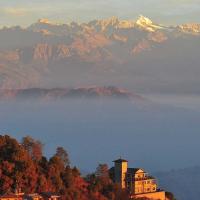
column 134, row 170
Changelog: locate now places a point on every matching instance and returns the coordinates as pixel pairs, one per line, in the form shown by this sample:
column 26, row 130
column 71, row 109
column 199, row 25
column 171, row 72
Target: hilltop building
column 137, row 181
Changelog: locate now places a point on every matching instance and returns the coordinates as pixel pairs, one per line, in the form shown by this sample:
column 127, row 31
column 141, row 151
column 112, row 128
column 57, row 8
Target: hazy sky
column 24, row 12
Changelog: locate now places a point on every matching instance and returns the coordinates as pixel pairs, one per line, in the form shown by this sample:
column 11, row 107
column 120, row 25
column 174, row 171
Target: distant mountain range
column 92, row 92
column 137, row 54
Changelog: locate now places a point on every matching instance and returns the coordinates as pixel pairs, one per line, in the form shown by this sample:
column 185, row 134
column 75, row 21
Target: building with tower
column 136, row 180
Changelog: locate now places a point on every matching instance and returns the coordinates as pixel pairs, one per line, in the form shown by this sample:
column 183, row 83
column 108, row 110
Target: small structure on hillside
column 34, row 196
column 11, row 197
column 137, row 181
column 17, row 195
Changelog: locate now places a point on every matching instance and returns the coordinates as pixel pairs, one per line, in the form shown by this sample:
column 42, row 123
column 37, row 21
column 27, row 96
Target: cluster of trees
column 23, row 165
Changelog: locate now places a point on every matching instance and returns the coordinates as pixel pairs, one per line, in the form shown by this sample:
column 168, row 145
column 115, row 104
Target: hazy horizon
column 159, row 137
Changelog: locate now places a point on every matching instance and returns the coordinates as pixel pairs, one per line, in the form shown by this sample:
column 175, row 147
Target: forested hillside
column 23, row 166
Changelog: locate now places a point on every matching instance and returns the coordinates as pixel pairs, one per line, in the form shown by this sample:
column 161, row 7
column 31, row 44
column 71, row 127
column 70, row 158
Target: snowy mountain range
column 137, row 54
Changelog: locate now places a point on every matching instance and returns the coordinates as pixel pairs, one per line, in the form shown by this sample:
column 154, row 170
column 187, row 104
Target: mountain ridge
column 90, row 92
column 100, row 52
column 140, row 22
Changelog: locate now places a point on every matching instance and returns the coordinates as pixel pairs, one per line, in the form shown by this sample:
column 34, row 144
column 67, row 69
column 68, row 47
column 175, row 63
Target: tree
column 33, row 147
column 170, row 196
column 63, row 155
column 102, row 171
column 16, row 166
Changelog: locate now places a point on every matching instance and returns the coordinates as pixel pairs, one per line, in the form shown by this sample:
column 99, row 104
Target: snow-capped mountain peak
column 147, row 24
column 144, row 21
column 44, row 21
column 192, row 28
